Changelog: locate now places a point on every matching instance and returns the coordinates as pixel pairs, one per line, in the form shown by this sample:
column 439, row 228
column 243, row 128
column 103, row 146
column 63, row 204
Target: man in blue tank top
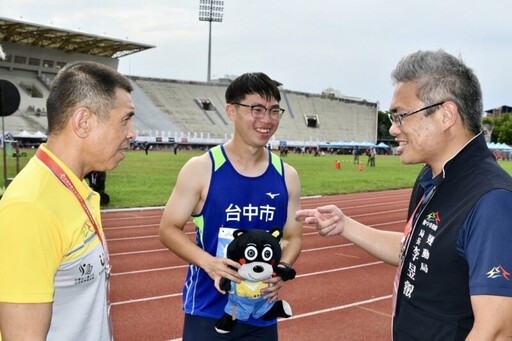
column 239, row 184
column 454, row 258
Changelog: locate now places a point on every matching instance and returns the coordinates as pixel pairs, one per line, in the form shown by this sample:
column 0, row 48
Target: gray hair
column 439, row 76
column 83, row 83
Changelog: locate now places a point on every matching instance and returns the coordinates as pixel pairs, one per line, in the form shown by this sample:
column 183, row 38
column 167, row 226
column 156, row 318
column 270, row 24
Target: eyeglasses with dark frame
column 259, row 111
column 398, row 118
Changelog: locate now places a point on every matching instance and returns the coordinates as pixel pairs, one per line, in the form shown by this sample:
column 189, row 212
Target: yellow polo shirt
column 49, row 251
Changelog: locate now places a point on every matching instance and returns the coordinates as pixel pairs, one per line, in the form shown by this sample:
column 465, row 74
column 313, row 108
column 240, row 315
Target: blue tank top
column 234, row 201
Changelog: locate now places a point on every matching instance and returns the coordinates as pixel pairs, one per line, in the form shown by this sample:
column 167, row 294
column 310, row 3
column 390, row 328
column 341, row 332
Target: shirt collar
column 81, row 185
column 443, row 172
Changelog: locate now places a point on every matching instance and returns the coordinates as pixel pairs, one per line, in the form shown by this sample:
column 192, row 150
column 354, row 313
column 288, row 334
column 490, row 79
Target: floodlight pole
column 210, row 10
column 208, row 77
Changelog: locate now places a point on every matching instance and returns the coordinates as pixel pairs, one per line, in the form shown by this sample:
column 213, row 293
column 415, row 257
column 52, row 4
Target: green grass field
column 147, row 180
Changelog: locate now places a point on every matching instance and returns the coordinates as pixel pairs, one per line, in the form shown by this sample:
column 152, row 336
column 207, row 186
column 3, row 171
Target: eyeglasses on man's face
column 398, row 118
column 259, row 111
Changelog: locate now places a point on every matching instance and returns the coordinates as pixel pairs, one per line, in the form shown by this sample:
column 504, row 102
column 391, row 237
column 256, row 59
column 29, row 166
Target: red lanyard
column 66, row 181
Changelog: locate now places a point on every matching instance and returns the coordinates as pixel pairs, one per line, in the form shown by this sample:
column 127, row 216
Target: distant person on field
column 240, row 184
column 371, row 157
column 454, row 258
column 97, row 182
column 54, row 266
column 356, row 152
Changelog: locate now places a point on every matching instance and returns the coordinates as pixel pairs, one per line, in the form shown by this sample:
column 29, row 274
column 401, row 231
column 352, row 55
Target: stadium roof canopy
column 21, row 32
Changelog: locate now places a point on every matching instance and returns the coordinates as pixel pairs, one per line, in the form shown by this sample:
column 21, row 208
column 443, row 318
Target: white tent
column 498, row 146
column 382, row 145
column 23, row 134
column 26, row 135
column 39, row 135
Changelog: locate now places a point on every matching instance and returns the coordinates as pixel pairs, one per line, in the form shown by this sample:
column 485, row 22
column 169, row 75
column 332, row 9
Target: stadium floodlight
column 211, row 11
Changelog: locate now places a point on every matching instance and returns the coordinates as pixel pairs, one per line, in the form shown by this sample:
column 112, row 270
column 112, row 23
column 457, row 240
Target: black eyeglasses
column 398, row 118
column 259, row 111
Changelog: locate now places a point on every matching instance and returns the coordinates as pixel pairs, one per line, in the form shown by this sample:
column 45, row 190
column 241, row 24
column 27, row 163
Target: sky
column 349, row 46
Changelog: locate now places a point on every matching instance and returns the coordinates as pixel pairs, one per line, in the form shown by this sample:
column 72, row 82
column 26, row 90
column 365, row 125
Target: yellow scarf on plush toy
column 250, row 289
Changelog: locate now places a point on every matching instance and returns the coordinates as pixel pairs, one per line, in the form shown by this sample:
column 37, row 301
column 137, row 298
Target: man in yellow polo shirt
column 54, row 268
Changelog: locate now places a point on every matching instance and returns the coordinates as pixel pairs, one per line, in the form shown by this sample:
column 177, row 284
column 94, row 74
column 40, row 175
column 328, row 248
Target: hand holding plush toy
column 259, row 254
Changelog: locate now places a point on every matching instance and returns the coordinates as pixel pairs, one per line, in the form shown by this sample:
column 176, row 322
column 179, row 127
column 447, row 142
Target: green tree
column 502, row 128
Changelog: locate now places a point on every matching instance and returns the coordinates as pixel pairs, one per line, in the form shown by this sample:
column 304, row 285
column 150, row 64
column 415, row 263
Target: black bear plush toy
column 259, row 253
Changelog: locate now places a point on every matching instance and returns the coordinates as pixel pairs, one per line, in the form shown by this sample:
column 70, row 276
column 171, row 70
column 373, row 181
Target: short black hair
column 252, row 83
column 83, row 83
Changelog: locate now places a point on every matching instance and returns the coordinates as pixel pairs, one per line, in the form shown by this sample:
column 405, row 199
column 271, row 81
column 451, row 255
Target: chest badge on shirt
column 87, row 230
column 86, row 273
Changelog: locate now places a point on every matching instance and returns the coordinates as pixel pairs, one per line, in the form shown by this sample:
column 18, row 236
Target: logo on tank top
column 272, row 195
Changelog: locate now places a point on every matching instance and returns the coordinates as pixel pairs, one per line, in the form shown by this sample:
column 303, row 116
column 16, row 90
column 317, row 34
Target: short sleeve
column 485, row 241
column 30, row 254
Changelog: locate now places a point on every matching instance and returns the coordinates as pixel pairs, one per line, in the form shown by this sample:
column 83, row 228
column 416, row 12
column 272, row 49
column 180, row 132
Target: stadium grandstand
column 167, row 111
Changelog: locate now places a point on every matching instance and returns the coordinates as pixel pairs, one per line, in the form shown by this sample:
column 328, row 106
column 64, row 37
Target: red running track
column 340, row 292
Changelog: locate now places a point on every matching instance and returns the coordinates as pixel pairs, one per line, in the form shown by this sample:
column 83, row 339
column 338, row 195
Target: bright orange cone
column 337, row 164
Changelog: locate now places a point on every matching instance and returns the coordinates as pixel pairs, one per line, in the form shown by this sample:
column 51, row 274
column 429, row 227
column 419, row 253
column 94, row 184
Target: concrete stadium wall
column 339, row 118
column 170, row 108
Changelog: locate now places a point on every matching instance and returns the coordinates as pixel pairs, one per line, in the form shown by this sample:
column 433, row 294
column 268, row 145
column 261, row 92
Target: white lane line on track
column 340, row 269
column 185, row 265
column 138, row 237
column 149, row 270
column 324, row 311
column 376, row 213
column 371, row 225
column 341, row 307
column 165, row 249
column 327, row 247
column 304, row 234
column 132, row 238
column 129, row 226
column 134, row 226
column 137, row 252
column 134, row 209
column 357, row 197
column 364, row 206
column 146, row 299
column 328, row 310
column 298, row 276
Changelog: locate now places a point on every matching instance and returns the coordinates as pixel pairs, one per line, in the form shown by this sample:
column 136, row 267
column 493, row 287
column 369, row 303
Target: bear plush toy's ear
column 238, row 233
column 276, row 233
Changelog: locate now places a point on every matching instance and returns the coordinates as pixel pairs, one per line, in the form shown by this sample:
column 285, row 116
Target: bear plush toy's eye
column 267, row 253
column 251, row 252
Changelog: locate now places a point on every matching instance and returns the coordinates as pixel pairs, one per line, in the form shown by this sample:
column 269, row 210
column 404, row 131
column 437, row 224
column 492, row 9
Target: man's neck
column 67, row 153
